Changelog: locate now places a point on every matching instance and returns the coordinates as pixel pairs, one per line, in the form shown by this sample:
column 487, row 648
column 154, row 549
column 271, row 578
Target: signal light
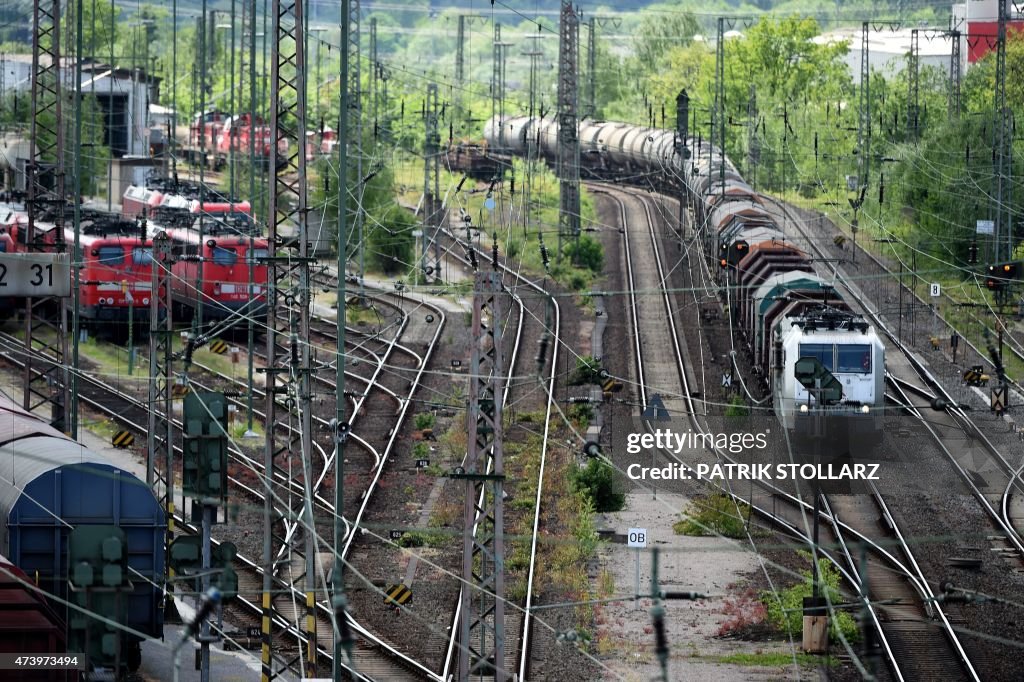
column 723, row 263
column 1000, row 274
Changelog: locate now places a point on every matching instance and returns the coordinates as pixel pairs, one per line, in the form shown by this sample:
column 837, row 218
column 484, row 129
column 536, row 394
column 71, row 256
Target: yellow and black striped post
column 267, row 672
column 123, row 439
column 310, row 634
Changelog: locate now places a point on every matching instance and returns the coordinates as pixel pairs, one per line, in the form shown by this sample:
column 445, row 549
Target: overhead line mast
column 288, row 368
column 1004, row 150
column 568, row 133
column 45, row 378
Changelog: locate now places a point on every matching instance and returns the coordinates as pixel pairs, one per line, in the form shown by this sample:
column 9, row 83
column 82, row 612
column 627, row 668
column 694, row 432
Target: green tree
column 660, row 33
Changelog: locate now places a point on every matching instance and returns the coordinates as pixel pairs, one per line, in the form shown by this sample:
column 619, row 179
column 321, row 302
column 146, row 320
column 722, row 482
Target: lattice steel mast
column 718, row 116
column 1004, row 150
column 568, row 133
column 591, row 107
column 160, row 435
column 288, row 368
column 913, row 97
column 955, row 74
column 482, row 629
column 45, row 378
column 431, row 183
column 460, row 73
column 864, row 112
column 355, row 150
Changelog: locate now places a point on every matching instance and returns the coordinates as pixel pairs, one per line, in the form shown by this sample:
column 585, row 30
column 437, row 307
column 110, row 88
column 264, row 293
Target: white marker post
column 637, row 539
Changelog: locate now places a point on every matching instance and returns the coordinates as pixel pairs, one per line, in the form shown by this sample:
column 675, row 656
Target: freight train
column 783, row 310
column 89, row 534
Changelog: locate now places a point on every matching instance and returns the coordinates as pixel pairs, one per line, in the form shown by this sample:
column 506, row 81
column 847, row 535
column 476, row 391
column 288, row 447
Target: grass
column 774, row 659
column 713, row 515
column 102, row 428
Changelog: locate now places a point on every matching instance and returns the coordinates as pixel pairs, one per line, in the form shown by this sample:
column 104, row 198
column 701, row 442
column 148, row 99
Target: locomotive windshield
column 141, row 256
column 257, row 256
column 111, row 255
column 845, row 358
column 855, row 358
column 823, row 352
column 222, row 256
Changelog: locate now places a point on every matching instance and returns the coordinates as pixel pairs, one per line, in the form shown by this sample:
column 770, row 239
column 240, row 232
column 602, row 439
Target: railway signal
column 98, row 573
column 1001, row 274
column 731, row 254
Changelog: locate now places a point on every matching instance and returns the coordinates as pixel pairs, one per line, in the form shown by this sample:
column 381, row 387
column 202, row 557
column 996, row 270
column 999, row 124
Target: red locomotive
column 214, row 135
column 114, row 261
column 226, row 260
column 115, row 268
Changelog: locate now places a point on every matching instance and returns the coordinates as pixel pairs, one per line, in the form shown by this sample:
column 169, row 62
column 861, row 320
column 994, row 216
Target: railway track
column 371, row 652
column 518, row 619
column 900, row 579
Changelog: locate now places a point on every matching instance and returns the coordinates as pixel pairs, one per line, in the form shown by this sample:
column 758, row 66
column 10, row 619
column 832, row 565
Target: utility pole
column 590, row 109
column 1004, row 152
column 431, row 171
column 46, row 376
column 355, row 150
column 568, row 133
column 682, row 151
column 289, row 367
column 955, row 74
column 342, row 640
column 160, row 434
column 460, row 73
column 864, row 121
column 913, row 97
column 718, row 115
column 482, row 623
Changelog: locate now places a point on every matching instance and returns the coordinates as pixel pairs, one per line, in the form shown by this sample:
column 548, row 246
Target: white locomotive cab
column 855, row 358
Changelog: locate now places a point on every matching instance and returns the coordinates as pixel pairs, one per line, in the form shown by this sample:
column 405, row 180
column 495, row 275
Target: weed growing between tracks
column 785, row 611
column 713, row 515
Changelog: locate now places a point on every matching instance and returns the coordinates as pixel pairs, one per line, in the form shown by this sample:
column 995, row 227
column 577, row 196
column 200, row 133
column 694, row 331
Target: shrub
column 586, row 252
column 422, row 538
column 424, row 420
column 581, row 413
column 588, row 371
column 714, row 515
column 737, row 407
column 597, row 483
column 785, row 611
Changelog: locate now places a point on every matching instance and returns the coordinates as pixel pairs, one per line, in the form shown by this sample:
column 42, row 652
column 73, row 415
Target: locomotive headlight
column 865, row 408
column 804, row 408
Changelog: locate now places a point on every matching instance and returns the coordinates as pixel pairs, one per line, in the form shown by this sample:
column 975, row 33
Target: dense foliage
column 596, row 481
